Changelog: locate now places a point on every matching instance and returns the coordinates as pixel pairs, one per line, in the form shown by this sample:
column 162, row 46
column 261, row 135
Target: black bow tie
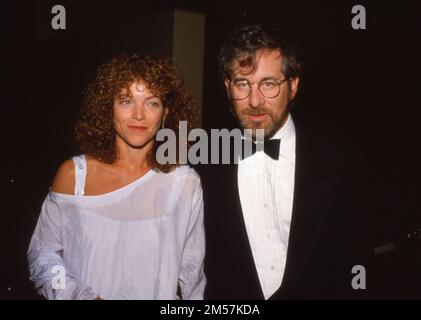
column 270, row 147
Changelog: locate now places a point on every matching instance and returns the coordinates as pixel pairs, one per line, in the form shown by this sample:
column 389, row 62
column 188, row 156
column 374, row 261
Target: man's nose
column 256, row 98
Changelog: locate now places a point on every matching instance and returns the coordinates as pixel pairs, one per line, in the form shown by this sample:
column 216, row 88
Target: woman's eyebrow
column 151, row 97
column 123, row 94
column 121, row 97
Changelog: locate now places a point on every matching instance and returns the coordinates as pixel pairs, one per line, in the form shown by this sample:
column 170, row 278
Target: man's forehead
column 264, row 59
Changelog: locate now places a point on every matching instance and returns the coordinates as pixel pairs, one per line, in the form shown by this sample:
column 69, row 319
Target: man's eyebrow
column 244, row 79
column 269, row 78
column 239, row 79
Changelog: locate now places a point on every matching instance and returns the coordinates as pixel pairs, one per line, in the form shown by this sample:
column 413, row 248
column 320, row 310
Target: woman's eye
column 125, row 101
column 153, row 104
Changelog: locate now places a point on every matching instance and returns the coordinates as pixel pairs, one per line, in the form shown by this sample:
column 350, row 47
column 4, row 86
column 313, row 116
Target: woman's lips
column 137, row 128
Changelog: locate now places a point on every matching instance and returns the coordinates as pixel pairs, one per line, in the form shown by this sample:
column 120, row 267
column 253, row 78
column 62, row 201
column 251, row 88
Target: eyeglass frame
column 278, row 82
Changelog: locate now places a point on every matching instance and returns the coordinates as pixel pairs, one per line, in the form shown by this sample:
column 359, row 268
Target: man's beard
column 275, row 121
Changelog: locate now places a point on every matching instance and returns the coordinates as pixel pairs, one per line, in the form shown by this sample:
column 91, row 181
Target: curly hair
column 94, row 131
column 244, row 42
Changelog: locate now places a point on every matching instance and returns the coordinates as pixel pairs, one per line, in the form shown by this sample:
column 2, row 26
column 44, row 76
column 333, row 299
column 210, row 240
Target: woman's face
column 138, row 115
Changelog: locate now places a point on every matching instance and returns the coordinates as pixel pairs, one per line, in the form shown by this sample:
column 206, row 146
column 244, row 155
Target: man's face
column 257, row 111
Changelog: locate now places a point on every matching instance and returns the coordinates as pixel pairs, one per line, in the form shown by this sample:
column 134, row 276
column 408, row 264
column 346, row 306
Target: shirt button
column 268, row 235
column 272, row 268
column 265, row 205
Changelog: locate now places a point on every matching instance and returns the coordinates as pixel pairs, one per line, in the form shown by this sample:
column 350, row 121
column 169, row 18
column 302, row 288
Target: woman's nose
column 138, row 112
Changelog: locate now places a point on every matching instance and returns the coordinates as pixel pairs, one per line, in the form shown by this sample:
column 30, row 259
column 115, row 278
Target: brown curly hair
column 94, row 131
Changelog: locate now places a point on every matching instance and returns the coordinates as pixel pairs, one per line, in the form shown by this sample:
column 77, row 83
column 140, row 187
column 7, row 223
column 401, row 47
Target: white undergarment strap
column 80, row 174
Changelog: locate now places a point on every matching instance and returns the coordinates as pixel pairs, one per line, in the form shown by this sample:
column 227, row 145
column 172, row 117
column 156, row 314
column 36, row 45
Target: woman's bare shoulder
column 64, row 181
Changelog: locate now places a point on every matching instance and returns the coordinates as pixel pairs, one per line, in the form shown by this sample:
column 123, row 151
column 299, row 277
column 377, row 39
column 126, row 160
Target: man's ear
column 227, row 87
column 293, row 87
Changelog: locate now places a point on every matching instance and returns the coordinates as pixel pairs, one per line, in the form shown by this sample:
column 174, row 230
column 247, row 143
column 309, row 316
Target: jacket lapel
column 244, row 259
column 309, row 207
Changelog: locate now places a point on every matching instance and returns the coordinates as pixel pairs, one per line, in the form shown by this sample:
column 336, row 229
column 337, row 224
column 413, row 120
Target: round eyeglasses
column 269, row 88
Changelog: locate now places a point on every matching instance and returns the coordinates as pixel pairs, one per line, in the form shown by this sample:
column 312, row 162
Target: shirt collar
column 287, row 135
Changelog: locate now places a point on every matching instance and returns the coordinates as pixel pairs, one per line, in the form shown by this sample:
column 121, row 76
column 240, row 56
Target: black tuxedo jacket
column 326, row 236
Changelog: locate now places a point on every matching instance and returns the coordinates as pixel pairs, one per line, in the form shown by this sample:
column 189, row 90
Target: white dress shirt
column 266, row 189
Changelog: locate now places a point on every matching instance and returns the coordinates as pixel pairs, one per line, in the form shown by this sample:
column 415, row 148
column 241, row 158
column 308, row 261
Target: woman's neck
column 133, row 159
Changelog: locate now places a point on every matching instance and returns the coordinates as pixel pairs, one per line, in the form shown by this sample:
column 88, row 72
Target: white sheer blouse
column 137, row 242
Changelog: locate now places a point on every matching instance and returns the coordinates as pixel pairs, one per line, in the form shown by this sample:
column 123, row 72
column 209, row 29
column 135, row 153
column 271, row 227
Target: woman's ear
column 166, row 110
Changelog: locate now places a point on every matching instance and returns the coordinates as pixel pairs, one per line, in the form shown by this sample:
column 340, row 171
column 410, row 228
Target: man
column 281, row 223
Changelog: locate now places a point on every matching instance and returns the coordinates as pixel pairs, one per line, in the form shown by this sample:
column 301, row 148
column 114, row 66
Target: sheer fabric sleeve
column 51, row 277
column 192, row 278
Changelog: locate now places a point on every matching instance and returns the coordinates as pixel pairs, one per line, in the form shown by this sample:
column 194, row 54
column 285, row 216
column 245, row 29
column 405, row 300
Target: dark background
column 359, row 87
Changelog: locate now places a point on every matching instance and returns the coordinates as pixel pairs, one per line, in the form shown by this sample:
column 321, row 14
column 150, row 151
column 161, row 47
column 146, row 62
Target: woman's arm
column 48, row 271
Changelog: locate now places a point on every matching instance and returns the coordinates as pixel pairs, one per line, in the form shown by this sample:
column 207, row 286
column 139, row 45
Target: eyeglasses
column 269, row 88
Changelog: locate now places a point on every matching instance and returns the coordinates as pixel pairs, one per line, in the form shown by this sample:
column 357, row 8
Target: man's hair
column 95, row 134
column 243, row 43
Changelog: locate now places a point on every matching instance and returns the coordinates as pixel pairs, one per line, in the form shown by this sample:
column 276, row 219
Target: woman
column 117, row 224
